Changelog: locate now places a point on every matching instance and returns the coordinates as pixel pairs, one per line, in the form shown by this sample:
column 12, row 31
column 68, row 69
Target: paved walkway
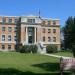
column 58, row 56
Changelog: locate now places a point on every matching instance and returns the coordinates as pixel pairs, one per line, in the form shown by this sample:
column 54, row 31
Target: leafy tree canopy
column 69, row 32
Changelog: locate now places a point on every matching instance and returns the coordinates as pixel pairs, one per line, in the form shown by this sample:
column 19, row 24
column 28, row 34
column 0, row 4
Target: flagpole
column 39, row 13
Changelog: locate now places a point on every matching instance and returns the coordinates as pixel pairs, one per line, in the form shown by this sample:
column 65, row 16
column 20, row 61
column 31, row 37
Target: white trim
column 35, row 35
column 9, row 16
column 25, row 25
column 26, row 35
column 50, row 19
column 29, row 16
column 43, row 43
column 4, row 50
column 51, row 42
column 7, row 42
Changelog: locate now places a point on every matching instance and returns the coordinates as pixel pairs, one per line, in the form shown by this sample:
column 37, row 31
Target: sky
column 56, row 9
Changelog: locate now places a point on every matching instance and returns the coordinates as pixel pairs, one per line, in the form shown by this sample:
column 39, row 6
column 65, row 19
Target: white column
column 35, row 35
column 26, row 35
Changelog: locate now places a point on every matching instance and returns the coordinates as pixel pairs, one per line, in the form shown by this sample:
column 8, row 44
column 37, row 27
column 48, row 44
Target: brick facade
column 28, row 30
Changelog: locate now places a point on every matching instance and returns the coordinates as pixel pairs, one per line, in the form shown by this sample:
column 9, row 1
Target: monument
column 41, row 48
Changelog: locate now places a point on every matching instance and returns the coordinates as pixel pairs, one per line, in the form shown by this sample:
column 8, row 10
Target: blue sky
column 60, row 9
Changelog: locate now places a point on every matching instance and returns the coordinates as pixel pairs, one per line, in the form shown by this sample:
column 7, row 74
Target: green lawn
column 64, row 53
column 13, row 63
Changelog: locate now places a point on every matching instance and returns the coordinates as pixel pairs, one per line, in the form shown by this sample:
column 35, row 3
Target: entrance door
column 30, row 39
column 30, row 35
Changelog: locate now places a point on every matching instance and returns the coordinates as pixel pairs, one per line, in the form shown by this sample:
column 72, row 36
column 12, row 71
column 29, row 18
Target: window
column 54, row 22
column 49, row 30
column 9, row 46
column 44, row 38
column 4, row 20
column 43, row 30
column 31, row 20
column 15, row 20
column 9, row 37
column 54, row 39
column 3, row 28
column 3, row 37
column 49, row 22
column 30, row 29
column 10, row 20
column 54, row 30
column 43, row 22
column 15, row 38
column 3, row 46
column 9, row 29
column 49, row 39
column 15, row 29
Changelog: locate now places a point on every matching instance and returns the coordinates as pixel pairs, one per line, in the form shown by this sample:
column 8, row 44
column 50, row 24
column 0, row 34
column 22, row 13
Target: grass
column 13, row 63
column 64, row 53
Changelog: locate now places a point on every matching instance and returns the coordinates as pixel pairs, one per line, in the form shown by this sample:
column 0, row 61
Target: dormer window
column 31, row 20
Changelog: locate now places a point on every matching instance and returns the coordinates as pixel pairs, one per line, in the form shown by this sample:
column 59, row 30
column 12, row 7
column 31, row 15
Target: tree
column 69, row 33
column 62, row 37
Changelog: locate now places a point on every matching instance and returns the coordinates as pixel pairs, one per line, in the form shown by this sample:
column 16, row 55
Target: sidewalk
column 58, row 56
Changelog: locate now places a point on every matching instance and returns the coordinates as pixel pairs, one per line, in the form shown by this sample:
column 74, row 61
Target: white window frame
column 15, row 28
column 9, row 29
column 49, row 39
column 44, row 38
column 15, row 38
column 10, row 46
column 10, row 38
column 54, row 40
column 54, row 30
column 31, row 20
column 2, row 37
column 4, row 46
column 2, row 28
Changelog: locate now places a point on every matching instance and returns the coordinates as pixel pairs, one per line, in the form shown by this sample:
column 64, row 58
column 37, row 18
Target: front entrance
column 30, row 35
column 30, row 39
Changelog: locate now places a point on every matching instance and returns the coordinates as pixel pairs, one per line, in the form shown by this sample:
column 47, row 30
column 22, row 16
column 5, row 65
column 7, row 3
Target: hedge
column 51, row 48
column 29, row 49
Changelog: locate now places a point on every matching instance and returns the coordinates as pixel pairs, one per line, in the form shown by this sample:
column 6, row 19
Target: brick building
column 28, row 30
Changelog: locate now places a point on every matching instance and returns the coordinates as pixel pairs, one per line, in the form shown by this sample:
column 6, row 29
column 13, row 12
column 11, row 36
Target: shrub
column 34, row 48
column 28, row 49
column 51, row 48
column 21, row 49
column 25, row 49
column 18, row 47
